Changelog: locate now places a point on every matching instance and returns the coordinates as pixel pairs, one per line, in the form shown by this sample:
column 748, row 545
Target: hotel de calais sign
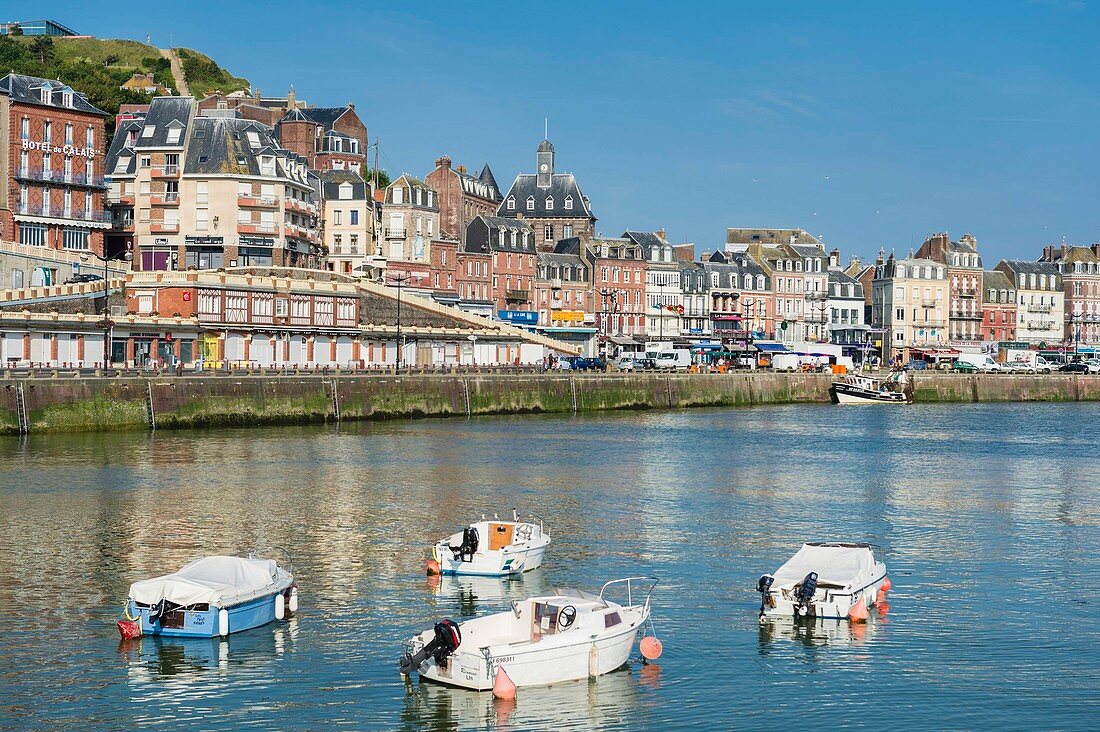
column 80, row 152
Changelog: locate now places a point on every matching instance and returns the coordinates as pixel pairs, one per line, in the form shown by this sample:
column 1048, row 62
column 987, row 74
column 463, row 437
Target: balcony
column 1040, row 308
column 392, row 233
column 967, row 292
column 165, row 199
column 295, row 204
column 165, row 171
column 966, row 316
column 517, row 295
column 54, row 176
column 557, row 304
column 929, row 303
column 60, row 212
column 256, row 227
column 1041, row 324
column 250, row 201
column 555, row 283
column 120, row 198
column 164, row 227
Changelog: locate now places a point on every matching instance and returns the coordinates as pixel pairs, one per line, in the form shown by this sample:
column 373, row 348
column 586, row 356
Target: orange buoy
column 504, row 709
column 858, row 613
column 432, row 567
column 887, row 585
column 651, row 648
column 880, row 597
column 882, row 606
column 503, row 686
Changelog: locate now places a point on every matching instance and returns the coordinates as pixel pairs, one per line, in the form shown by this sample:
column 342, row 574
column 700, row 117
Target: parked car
column 76, row 279
column 916, row 365
column 1019, row 367
column 963, row 367
column 1074, row 367
column 625, row 363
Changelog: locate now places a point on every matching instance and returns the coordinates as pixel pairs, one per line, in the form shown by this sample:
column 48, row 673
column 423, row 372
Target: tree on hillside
column 110, row 60
column 15, row 30
column 42, row 47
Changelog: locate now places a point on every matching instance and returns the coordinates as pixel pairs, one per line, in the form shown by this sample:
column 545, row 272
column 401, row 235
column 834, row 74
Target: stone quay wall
column 67, row 404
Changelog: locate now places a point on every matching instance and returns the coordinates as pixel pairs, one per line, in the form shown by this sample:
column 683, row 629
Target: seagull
column 826, row 177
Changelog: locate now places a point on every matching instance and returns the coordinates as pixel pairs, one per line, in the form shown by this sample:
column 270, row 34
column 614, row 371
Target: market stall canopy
column 772, row 347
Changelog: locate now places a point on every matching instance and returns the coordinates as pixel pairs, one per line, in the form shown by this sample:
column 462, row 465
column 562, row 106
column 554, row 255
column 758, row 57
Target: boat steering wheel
column 566, row 616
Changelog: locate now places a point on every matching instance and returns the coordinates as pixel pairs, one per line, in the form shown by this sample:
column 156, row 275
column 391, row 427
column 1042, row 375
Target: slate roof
column 483, row 186
column 487, row 178
column 554, row 259
column 767, row 236
column 839, row 277
column 648, row 240
column 331, row 180
column 482, row 235
column 1023, row 266
column 165, row 112
column 562, row 186
column 27, row 90
column 995, row 279
column 324, row 116
column 806, row 250
column 118, row 146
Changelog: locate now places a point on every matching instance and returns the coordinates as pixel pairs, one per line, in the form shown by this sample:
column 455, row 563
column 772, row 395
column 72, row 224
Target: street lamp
column 126, row 257
column 400, row 281
column 611, row 296
column 473, row 349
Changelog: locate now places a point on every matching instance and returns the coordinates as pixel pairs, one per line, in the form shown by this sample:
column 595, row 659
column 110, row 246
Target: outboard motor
column 804, row 593
column 156, row 611
column 465, row 551
column 447, row 638
column 763, row 585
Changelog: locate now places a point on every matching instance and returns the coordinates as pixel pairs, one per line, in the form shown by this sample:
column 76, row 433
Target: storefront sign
column 725, row 317
column 203, row 240
column 160, row 241
column 250, row 241
column 519, row 317
column 80, row 152
column 569, row 316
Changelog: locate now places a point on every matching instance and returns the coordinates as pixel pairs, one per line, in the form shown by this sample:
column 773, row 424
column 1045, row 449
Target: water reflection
column 480, row 595
column 818, row 632
column 591, row 704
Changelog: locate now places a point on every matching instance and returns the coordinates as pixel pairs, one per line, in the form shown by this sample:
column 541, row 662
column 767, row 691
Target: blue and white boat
column 210, row 597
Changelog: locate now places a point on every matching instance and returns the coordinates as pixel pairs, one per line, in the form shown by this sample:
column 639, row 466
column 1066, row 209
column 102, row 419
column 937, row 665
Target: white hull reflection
column 817, row 631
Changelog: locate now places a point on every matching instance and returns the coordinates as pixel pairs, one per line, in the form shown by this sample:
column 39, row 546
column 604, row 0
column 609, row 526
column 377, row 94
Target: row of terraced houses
column 239, row 182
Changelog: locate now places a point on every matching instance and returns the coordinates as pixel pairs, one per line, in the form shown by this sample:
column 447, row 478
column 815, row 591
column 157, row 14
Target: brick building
column 964, row 277
column 617, row 271
column 998, row 307
column 52, row 150
column 205, row 193
column 512, row 271
column 329, row 138
column 741, row 304
column 462, row 197
column 253, row 106
column 552, row 203
column 410, row 222
column 1080, row 270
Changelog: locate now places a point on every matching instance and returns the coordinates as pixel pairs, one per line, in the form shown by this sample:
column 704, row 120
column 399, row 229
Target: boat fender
column 593, row 661
column 447, row 639
column 763, row 586
column 858, row 613
column 431, row 567
column 280, row 606
column 804, row 593
column 292, row 603
column 503, row 686
column 651, row 648
column 887, row 585
column 129, row 629
column 223, row 622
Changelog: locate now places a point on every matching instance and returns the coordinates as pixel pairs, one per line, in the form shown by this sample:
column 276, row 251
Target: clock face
column 543, row 167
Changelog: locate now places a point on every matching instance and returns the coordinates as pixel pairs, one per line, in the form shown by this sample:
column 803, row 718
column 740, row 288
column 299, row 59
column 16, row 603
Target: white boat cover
column 212, row 580
column 835, row 565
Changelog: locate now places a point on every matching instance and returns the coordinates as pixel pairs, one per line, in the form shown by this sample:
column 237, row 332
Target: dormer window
column 549, row 203
column 67, row 99
column 530, row 203
column 45, row 95
column 568, row 203
column 511, row 203
column 148, row 131
column 174, row 135
column 430, row 194
column 253, row 139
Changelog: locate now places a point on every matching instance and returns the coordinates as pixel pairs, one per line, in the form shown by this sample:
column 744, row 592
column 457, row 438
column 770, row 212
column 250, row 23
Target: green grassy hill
column 98, row 66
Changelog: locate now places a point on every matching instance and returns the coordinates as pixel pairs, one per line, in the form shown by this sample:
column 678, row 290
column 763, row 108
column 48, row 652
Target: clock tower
column 545, row 164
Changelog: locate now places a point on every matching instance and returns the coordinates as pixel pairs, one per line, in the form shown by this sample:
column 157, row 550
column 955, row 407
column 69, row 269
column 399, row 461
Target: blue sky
column 869, row 124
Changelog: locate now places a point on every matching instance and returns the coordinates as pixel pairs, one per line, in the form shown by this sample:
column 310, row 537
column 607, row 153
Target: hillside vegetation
column 97, row 67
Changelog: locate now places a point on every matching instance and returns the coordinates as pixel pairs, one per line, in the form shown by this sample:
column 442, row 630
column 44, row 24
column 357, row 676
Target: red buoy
column 129, row 629
column 503, row 686
column 887, row 585
column 651, row 648
column 432, row 567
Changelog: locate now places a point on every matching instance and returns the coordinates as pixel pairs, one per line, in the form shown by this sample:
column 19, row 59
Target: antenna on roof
column 546, row 128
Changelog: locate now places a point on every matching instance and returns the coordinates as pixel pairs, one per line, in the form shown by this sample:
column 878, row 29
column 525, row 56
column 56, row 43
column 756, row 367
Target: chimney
column 461, row 169
column 660, row 233
column 705, row 257
column 881, row 256
column 1096, row 249
column 794, row 238
column 834, row 259
column 1065, row 250
column 351, row 106
column 443, row 162
column 291, row 98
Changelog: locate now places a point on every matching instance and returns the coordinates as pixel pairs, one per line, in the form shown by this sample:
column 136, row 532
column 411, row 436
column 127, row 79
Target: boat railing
column 631, row 582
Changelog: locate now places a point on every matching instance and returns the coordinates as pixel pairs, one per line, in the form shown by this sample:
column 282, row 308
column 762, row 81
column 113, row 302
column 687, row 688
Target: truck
column 1025, row 361
column 678, row 359
column 983, row 362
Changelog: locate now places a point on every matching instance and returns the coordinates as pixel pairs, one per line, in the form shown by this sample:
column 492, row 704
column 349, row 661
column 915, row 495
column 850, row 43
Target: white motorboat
column 543, row 640
column 492, row 548
column 823, row 580
column 858, row 389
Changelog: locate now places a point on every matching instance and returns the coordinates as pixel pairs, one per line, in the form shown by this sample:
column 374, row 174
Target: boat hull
column 842, row 393
column 534, row 666
column 254, row 613
column 500, row 563
column 834, row 606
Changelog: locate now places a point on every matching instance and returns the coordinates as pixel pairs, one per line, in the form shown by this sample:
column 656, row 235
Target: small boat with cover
column 491, row 548
column 823, row 580
column 564, row 636
column 213, row 596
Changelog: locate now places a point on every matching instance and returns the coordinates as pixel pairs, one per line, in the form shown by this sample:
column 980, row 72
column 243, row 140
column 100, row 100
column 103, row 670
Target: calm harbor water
column 988, row 517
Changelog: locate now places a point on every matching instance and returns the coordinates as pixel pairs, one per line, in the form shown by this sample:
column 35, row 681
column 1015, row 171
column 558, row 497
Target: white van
column 678, row 359
column 981, row 361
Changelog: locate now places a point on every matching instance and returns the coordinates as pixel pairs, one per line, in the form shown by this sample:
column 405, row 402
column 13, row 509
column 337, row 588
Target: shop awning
column 620, row 340
column 936, row 352
column 772, row 347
